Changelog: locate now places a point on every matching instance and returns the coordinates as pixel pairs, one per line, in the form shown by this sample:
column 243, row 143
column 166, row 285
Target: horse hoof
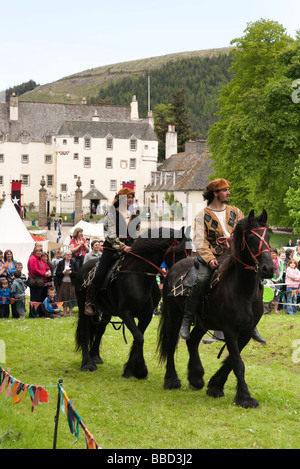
column 215, row 392
column 246, row 403
column 88, row 368
column 172, row 384
column 196, row 385
column 97, row 360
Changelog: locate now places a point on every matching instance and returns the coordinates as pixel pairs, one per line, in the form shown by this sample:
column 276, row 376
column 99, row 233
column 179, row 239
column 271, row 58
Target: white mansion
column 103, row 145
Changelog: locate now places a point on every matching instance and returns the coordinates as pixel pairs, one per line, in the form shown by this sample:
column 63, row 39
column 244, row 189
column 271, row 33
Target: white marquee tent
column 14, row 234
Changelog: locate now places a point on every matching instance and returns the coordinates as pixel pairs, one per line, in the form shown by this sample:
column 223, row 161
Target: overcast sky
column 45, row 41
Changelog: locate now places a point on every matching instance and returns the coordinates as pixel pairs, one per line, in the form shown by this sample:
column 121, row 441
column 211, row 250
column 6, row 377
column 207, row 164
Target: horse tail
column 168, row 328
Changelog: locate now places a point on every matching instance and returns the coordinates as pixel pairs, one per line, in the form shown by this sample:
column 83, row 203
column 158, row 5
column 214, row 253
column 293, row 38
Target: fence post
column 57, row 413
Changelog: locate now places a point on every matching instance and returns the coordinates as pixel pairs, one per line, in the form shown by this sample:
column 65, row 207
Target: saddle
column 110, row 274
column 185, row 283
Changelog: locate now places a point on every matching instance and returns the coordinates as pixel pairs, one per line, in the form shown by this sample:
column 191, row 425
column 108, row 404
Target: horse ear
column 263, row 217
column 251, row 214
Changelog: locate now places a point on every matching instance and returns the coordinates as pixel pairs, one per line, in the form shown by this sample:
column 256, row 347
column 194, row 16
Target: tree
column 256, row 140
column 181, row 120
column 163, row 116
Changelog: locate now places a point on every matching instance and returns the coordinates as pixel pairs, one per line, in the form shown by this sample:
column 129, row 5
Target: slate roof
column 192, row 172
column 41, row 119
column 124, row 130
column 94, row 194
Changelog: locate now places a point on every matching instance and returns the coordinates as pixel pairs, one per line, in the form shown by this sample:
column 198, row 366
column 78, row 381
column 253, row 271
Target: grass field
column 132, row 414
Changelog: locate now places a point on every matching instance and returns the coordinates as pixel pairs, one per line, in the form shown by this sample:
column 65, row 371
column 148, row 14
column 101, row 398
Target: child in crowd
column 51, row 308
column 292, row 279
column 5, row 297
column 18, row 292
column 14, row 306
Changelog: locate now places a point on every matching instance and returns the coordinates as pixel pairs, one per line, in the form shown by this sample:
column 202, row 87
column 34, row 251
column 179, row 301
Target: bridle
column 263, row 247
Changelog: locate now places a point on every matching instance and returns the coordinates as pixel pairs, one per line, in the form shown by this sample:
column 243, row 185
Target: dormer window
column 109, row 143
column 133, row 144
column 24, row 137
column 48, row 139
column 2, row 137
column 87, row 143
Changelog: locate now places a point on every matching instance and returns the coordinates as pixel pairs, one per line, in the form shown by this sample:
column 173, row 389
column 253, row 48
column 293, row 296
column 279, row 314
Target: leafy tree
column 20, row 89
column 181, row 120
column 256, row 140
column 163, row 117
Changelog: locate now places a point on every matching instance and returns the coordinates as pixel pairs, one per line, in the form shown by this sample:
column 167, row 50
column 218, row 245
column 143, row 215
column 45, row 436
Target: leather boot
column 91, row 293
column 218, row 336
column 187, row 321
column 257, row 337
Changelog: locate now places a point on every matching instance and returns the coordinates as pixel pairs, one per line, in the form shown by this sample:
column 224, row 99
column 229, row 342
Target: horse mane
column 156, row 239
column 229, row 258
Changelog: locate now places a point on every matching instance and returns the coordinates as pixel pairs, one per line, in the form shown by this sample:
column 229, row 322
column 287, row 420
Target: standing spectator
column 38, row 273
column 78, row 246
column 2, row 267
column 18, row 292
column 5, row 297
column 292, row 279
column 49, row 281
column 55, row 220
column 10, row 265
column 56, row 259
column 95, row 252
column 297, row 254
column 66, row 272
column 278, row 276
column 49, row 221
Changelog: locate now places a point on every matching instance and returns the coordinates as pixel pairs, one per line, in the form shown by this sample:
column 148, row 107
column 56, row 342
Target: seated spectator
column 51, row 308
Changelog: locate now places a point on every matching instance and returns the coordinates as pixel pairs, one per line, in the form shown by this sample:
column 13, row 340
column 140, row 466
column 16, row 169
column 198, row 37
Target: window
column 65, row 141
column 50, row 180
column 76, row 139
column 87, row 162
column 25, row 138
column 109, row 163
column 1, row 158
column 133, row 144
column 123, row 164
column 109, row 143
column 25, row 159
column 87, row 143
column 63, row 188
column 113, row 185
column 48, row 159
column 132, row 163
column 92, row 182
column 1, row 180
column 25, row 179
column 76, row 156
column 48, row 140
column 2, row 137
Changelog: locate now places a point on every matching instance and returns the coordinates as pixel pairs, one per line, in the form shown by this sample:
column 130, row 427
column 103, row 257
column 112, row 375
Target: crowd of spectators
column 50, row 281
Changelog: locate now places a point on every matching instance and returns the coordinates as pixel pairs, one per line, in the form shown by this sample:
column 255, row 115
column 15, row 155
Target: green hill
column 202, row 73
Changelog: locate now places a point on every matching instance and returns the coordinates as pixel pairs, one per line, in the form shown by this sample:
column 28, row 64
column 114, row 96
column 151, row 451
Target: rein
column 162, row 272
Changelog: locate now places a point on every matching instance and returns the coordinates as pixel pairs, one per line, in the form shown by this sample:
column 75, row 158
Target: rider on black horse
column 217, row 220
column 121, row 227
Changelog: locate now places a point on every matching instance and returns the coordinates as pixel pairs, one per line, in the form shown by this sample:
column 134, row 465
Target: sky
column 48, row 40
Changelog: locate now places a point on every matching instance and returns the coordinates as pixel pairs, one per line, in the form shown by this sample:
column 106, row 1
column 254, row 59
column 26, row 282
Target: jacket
column 18, row 288
column 118, row 231
column 208, row 229
column 37, row 267
column 61, row 267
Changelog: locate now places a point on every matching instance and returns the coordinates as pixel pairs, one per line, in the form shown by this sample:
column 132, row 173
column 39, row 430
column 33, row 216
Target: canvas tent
column 14, row 234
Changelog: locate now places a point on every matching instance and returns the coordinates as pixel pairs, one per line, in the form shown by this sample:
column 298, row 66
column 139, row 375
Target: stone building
column 103, row 145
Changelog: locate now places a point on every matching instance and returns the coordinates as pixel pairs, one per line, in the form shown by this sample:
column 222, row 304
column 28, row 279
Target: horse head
column 254, row 249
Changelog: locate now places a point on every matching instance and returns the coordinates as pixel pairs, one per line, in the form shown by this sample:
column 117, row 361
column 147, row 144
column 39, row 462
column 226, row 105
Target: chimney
column 171, row 141
column 83, row 101
column 14, row 108
column 151, row 119
column 134, row 109
column 96, row 117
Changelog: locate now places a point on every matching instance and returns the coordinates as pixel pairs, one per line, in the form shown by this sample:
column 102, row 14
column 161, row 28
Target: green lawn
column 133, row 414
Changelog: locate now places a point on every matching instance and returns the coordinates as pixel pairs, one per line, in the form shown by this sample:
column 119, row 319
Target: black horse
column 133, row 293
column 233, row 304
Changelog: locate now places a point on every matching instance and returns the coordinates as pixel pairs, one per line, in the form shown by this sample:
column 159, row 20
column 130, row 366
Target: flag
column 16, row 195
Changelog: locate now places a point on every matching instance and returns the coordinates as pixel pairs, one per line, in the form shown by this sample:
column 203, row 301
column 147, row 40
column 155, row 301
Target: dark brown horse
column 133, row 293
column 233, row 305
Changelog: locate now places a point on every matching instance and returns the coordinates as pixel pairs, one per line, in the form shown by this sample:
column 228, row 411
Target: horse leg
column 233, row 361
column 87, row 363
column 170, row 341
column 195, row 368
column 95, row 348
column 136, row 366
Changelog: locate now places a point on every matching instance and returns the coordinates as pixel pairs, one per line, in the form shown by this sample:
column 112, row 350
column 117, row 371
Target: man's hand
column 213, row 264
